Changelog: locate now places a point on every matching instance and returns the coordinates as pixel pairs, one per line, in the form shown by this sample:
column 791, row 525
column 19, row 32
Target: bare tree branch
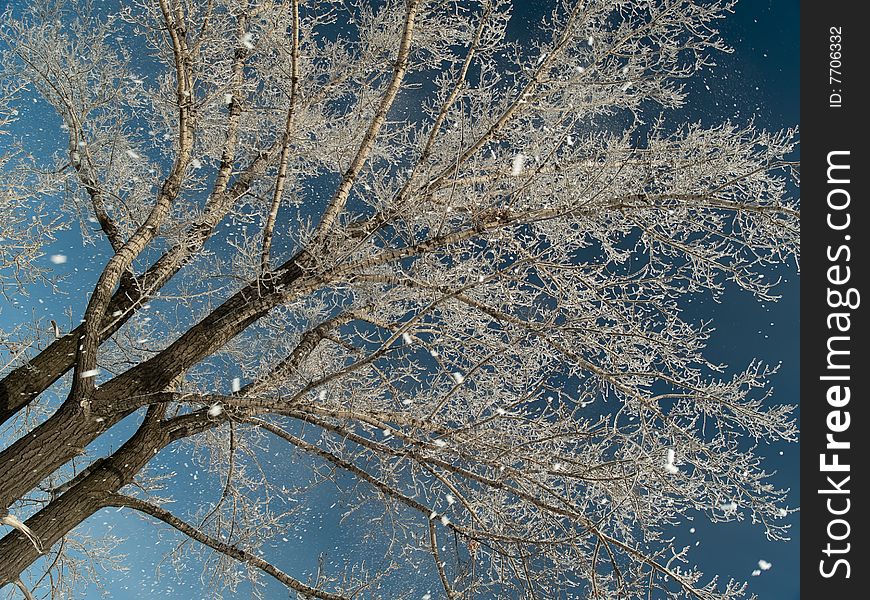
column 160, row 514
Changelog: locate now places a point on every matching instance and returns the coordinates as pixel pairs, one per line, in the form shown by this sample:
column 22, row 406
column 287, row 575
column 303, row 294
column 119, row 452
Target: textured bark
column 26, row 382
column 35, row 456
column 85, row 496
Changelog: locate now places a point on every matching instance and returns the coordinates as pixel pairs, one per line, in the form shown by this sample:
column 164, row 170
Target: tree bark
column 25, row 383
column 48, row 447
column 84, row 497
column 35, row 456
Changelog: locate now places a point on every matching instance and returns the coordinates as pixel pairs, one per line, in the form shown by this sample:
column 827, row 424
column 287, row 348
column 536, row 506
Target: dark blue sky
column 759, row 80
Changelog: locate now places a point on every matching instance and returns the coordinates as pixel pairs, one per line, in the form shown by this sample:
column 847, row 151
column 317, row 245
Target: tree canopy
column 443, row 269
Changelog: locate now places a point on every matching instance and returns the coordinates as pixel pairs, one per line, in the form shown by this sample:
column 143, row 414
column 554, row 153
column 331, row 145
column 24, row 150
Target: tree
column 419, row 254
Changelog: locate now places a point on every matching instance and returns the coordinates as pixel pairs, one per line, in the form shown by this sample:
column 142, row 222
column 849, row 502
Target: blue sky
column 759, row 80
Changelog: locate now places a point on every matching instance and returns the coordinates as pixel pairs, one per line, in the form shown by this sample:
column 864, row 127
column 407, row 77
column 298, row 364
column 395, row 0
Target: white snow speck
column 591, row 41
column 236, row 385
column 440, row 443
column 445, row 521
column 321, row 395
column 215, row 410
column 248, row 40
column 450, row 499
column 90, row 373
column 433, row 353
column 58, row 259
column 228, row 98
column 196, row 163
column 692, row 530
column 756, row 573
column 133, row 154
column 458, row 377
column 500, row 411
column 406, row 338
column 517, row 164
column 670, row 467
column 764, row 565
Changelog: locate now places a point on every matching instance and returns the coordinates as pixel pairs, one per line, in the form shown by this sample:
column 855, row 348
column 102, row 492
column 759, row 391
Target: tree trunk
column 26, row 382
column 84, row 497
column 66, row 433
column 48, row 447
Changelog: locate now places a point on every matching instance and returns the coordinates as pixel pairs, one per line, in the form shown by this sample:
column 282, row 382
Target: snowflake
column 517, row 164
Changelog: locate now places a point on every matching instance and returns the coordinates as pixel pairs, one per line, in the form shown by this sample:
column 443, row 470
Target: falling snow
column 670, row 467
column 517, row 164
